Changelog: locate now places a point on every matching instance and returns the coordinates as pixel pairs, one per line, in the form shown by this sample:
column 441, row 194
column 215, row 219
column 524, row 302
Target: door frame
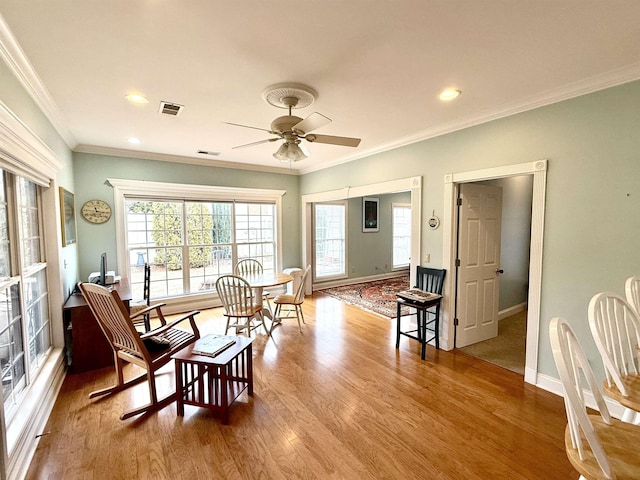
column 410, row 184
column 538, row 169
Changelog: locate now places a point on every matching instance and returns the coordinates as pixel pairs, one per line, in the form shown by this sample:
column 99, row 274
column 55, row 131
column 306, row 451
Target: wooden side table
column 214, row 382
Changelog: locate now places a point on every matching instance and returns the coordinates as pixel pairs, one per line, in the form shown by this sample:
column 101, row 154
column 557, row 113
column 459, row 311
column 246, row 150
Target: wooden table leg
column 179, row 389
column 249, row 353
column 257, row 298
column 398, row 319
column 224, row 401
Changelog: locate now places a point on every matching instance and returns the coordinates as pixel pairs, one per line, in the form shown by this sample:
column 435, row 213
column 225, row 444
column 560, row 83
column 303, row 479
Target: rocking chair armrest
column 146, row 310
column 163, row 328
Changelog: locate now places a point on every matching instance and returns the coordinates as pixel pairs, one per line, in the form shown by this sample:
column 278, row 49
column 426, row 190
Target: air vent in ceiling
column 168, row 108
column 206, row 152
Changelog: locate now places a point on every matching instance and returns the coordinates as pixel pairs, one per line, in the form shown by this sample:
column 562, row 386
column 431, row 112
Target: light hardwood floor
column 335, row 402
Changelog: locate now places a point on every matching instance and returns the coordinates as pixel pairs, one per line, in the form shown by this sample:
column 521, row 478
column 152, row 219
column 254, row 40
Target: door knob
column 499, row 270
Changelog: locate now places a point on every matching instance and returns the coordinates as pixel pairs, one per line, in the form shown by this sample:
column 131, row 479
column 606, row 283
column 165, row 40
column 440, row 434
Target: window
column 401, row 227
column 25, row 336
column 189, row 244
column 330, row 239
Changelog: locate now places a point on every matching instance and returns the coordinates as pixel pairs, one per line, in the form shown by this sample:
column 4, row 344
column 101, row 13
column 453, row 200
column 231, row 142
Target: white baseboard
column 351, row 281
column 507, row 312
column 553, row 385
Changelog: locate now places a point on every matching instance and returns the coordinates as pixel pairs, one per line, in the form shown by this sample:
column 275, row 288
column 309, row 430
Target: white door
column 480, row 219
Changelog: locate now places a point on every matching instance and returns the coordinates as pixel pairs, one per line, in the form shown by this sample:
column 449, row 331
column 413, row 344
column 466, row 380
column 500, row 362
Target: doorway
column 507, row 349
column 506, row 345
column 537, row 170
column 411, row 184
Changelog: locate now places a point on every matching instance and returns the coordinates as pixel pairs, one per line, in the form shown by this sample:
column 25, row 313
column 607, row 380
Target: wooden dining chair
column 632, row 292
column 615, row 327
column 291, row 303
column 242, row 313
column 251, row 267
column 611, row 450
column 149, row 351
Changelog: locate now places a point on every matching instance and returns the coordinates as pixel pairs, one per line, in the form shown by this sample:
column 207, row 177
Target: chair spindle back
column 616, row 332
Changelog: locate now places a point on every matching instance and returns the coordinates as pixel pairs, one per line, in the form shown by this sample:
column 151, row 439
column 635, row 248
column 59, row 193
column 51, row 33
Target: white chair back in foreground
column 632, row 291
column 616, row 332
column 612, row 445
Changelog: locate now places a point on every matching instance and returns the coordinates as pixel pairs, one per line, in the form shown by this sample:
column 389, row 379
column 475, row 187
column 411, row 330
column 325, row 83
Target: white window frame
column 393, row 235
column 23, row 153
column 237, row 245
column 165, row 191
column 346, row 242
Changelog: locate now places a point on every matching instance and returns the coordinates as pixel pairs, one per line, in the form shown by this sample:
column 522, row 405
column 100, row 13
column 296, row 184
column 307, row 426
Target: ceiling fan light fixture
column 281, row 153
column 289, row 152
column 295, row 152
column 292, row 129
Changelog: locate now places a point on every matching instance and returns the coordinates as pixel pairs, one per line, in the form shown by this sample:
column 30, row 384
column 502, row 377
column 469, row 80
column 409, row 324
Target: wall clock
column 96, row 211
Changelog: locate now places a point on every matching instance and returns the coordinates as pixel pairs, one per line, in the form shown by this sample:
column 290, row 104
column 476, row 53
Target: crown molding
column 162, row 157
column 593, row 84
column 16, row 60
column 18, row 63
column 24, row 151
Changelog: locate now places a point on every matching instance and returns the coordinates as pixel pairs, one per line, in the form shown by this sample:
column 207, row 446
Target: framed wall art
column 370, row 214
column 67, row 217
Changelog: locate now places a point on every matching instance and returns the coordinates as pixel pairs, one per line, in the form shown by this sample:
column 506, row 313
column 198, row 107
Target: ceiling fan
column 291, row 129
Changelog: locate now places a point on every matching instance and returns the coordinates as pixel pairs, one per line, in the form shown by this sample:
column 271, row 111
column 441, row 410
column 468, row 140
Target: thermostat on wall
column 433, row 222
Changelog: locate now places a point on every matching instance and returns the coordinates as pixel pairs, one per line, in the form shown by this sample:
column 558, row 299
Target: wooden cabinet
column 85, row 344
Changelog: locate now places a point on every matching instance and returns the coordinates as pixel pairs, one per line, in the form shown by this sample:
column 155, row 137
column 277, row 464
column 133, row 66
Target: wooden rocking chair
column 151, row 350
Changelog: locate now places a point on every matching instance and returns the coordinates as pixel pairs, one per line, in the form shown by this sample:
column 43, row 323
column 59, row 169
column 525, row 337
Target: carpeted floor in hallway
column 508, row 348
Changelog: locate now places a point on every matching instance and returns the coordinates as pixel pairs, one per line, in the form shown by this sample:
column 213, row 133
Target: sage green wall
column 592, row 196
column 92, row 170
column 371, row 253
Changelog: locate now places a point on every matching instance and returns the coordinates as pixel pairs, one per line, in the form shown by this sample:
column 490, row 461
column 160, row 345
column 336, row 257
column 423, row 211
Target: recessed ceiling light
column 135, row 98
column 134, row 140
column 450, row 94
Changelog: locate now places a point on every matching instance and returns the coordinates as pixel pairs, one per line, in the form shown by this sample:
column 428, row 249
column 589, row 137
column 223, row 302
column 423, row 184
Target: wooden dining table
column 264, row 280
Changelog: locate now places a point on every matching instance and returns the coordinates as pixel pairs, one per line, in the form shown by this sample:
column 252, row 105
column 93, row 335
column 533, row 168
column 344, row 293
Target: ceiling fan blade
column 257, row 143
column 313, row 121
column 333, row 140
column 248, row 126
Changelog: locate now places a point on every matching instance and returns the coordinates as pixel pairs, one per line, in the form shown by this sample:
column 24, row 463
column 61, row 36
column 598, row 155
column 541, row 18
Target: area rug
column 378, row 296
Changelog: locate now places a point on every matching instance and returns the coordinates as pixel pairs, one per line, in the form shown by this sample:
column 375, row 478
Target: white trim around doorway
column 538, row 169
column 410, row 184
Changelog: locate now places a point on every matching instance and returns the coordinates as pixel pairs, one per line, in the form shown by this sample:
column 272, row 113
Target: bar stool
column 427, row 313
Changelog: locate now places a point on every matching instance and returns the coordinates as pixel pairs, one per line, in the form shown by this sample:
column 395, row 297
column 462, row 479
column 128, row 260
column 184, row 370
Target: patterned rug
column 377, row 297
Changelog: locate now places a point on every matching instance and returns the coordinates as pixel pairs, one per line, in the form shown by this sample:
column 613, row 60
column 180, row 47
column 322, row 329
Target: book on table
column 212, row 344
column 417, row 295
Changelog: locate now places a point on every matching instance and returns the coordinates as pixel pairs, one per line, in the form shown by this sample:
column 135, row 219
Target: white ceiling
column 377, row 65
